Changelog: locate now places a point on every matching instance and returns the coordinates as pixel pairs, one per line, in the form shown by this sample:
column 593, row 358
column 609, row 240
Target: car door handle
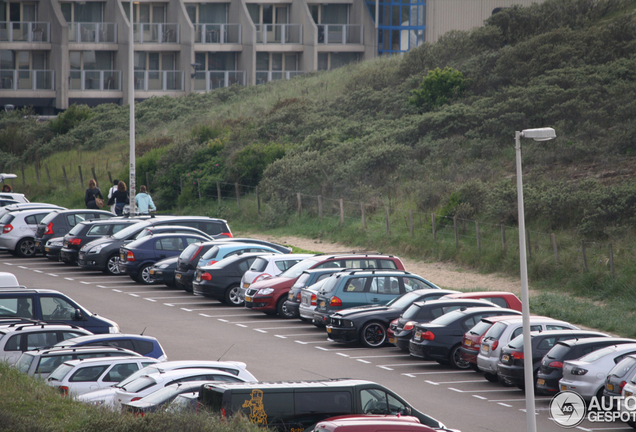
column 375, row 299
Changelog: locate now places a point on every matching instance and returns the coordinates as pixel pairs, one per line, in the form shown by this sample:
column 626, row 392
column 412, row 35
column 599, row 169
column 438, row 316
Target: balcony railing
column 279, row 33
column 266, row 76
column 217, row 33
column 93, row 80
column 27, row 79
column 159, row 80
column 210, row 80
column 92, row 32
column 25, row 31
column 156, row 33
column 340, row 34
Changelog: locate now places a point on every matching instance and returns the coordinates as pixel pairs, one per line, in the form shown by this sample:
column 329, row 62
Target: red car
column 500, row 298
column 270, row 295
column 371, row 424
column 472, row 339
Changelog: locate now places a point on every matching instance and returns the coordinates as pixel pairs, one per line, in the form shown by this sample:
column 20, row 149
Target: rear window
column 412, row 312
column 623, row 367
column 76, row 229
column 139, row 384
column 259, row 265
column 211, row 253
column 7, row 219
column 24, row 363
column 301, row 281
column 329, row 284
column 480, row 328
column 593, row 356
column 448, row 318
column 214, row 228
column 559, row 351
column 287, row 264
column 97, row 230
column 495, row 331
column 387, row 264
column 189, row 252
column 62, row 370
column 49, row 218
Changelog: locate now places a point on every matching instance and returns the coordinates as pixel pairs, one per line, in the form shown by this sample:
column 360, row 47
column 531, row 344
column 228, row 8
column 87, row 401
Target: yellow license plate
column 564, row 388
column 505, row 357
column 177, row 276
column 628, row 394
column 122, row 257
column 469, row 343
column 322, row 304
column 65, row 244
column 152, row 271
column 46, row 249
column 248, row 299
column 246, row 285
column 540, row 381
column 609, row 387
column 392, row 340
column 418, row 334
column 485, row 347
column 328, row 330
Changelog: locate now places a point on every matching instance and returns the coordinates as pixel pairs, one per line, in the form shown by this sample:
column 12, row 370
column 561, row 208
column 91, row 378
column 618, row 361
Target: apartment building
column 54, row 53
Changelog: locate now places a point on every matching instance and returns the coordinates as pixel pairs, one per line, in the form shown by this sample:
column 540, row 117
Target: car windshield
column 404, row 300
column 127, row 232
column 60, row 372
column 295, row 271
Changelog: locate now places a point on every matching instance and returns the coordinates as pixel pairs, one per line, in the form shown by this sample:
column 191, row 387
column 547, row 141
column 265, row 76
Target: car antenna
column 142, row 333
column 225, row 352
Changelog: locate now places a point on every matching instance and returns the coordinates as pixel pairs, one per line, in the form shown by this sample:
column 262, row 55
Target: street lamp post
column 542, row 134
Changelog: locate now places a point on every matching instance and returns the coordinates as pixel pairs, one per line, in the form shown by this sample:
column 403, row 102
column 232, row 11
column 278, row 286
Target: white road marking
column 461, row 382
column 341, row 349
column 204, row 315
column 433, row 373
column 280, row 336
column 23, row 267
column 503, row 404
column 307, row 343
column 150, row 300
column 38, row 271
column 85, row 283
column 69, row 279
column 516, row 400
column 51, row 274
column 133, row 295
column 163, row 298
column 219, row 309
column 480, row 397
column 483, row 391
column 116, row 290
column 241, row 325
column 431, row 382
column 399, row 355
column 260, row 330
column 280, row 328
column 251, row 322
column 6, row 263
column 363, row 361
column 168, row 304
column 405, row 364
column 299, row 334
column 185, row 309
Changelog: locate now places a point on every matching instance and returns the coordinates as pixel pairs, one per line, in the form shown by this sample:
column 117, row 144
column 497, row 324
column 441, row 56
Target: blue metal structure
column 402, row 25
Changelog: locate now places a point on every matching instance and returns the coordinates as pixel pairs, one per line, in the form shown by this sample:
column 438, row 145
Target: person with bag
column 119, row 198
column 112, row 190
column 144, row 201
column 93, row 197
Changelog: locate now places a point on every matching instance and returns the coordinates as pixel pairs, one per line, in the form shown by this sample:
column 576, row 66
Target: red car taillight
column 130, row 256
column 428, row 335
column 313, row 299
column 517, row 355
column 75, row 241
column 49, row 228
column 7, row 229
column 494, row 345
column 335, row 301
column 135, row 398
column 226, row 234
column 63, row 390
column 621, row 385
column 298, row 296
column 206, row 276
column 556, row 364
column 197, row 253
column 409, row 325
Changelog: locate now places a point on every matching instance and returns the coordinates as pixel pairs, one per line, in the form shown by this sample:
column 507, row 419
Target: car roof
column 336, row 382
column 481, row 293
column 198, row 218
column 188, row 371
column 83, row 349
column 113, row 359
column 573, row 332
column 184, row 364
column 107, row 337
column 28, row 327
column 443, row 302
column 111, row 221
column 595, row 340
column 73, row 211
column 28, row 211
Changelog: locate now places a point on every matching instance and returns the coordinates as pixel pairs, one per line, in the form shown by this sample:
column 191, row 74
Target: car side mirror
column 78, row 315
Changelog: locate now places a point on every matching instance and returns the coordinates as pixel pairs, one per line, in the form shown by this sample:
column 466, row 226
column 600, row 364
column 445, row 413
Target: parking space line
column 280, row 336
column 23, row 267
column 85, row 283
column 69, row 279
column 307, row 343
column 480, row 397
column 6, row 263
column 133, row 294
column 363, row 361
column 241, row 325
column 51, row 274
column 516, row 400
column 402, row 364
column 440, row 372
column 38, row 271
column 276, row 328
column 382, row 356
column 461, row 382
column 250, row 322
column 216, row 309
column 150, row 300
column 503, row 404
column 163, row 298
column 298, row 334
column 341, row 349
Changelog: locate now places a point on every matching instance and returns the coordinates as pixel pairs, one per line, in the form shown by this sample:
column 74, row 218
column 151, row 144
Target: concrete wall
column 360, row 15
column 247, row 58
column 299, row 14
column 176, row 12
column 59, row 58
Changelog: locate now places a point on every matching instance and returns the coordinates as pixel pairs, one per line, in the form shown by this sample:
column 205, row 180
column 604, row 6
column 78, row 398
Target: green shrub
column 70, row 118
column 438, row 88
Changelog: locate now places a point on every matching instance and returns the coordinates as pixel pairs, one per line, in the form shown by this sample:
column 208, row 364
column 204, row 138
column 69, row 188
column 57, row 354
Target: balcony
column 210, row 80
column 279, row 33
column 27, row 80
column 25, row 31
column 159, row 80
column 265, row 76
column 217, row 33
column 95, row 80
column 92, row 32
column 156, row 33
column 340, row 34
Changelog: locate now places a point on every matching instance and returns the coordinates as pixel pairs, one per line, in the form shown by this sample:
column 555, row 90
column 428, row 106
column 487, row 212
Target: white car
column 502, row 332
column 144, row 384
column 17, row 231
column 628, row 409
column 308, row 298
column 75, row 377
column 267, row 266
column 8, row 280
column 18, row 338
column 586, row 376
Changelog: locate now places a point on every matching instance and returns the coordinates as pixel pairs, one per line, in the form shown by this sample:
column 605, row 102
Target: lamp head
column 540, row 134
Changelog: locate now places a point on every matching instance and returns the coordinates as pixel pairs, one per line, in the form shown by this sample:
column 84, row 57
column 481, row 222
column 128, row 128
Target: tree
column 438, row 88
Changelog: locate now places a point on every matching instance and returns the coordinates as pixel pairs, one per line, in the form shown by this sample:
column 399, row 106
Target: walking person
column 144, row 201
column 112, row 190
column 120, row 198
column 92, row 195
column 7, row 188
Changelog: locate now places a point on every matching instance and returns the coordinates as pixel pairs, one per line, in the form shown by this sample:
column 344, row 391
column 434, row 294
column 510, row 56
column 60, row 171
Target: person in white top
column 111, row 192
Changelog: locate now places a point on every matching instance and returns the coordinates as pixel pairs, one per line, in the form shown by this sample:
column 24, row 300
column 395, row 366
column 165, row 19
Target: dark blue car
column 145, row 345
column 136, row 258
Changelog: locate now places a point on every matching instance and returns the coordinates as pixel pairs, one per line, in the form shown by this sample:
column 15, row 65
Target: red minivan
column 270, row 295
column 504, row 299
column 372, row 424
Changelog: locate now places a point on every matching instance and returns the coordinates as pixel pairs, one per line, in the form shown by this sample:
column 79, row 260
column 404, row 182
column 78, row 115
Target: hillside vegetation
column 355, row 134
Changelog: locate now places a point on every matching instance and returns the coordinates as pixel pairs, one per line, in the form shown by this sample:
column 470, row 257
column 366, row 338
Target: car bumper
column 293, row 307
column 52, row 253
column 585, row 389
column 428, row 352
column 184, row 279
column 131, row 270
column 90, row 261
column 338, row 334
column 511, row 373
column 487, row 364
column 260, row 303
column 306, row 312
column 548, row 383
column 8, row 242
column 321, row 318
column 162, row 277
column 207, row 290
column 68, row 255
column 470, row 355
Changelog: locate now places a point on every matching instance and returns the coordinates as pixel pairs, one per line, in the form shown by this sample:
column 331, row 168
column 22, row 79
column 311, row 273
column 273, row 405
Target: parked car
column 87, row 231
column 136, row 258
column 28, row 206
column 619, row 376
column 441, row 339
column 17, row 231
column 503, row 299
column 8, row 280
column 371, row 423
column 162, row 272
column 586, row 376
column 309, row 300
column 162, row 398
column 194, row 258
column 471, row 344
column 289, row 406
column 103, row 254
column 145, row 345
column 51, row 306
column 368, row 325
column 75, row 377
column 511, row 362
column 6, row 202
column 308, row 278
column 59, row 222
column 18, row 338
column 10, row 196
column 505, row 331
column 269, row 295
column 270, row 266
column 41, row 362
column 232, row 367
column 221, row 280
column 551, row 370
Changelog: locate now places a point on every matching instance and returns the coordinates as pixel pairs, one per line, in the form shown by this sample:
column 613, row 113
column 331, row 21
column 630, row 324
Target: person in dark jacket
column 91, row 194
column 120, row 197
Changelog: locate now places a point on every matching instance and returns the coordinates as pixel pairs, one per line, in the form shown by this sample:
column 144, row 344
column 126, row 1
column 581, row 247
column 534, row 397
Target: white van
column 8, row 280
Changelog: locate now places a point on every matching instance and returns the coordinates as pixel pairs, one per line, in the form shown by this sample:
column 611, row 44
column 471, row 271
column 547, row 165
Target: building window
column 330, row 13
column 18, row 11
column 83, row 12
column 146, row 12
column 268, row 14
column 91, row 60
column 216, row 61
column 155, row 61
column 266, row 61
column 23, row 60
column 208, row 13
column 401, row 25
column 333, row 60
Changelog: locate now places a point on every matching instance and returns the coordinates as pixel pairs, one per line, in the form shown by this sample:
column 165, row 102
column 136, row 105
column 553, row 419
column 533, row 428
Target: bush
column 438, row 88
column 70, row 118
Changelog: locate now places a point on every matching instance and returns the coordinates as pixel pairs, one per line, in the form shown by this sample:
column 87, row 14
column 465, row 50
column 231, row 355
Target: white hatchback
column 267, row 266
column 17, row 231
column 75, row 377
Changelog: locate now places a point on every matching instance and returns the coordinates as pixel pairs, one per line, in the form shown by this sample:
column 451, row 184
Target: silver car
column 268, row 266
column 17, row 231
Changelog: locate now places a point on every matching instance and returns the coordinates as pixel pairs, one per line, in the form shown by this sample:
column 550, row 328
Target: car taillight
column 517, row 355
column 49, row 228
column 140, row 414
column 63, row 390
column 428, row 335
column 335, row 301
column 556, row 364
column 136, row 398
column 130, row 256
column 226, row 234
column 621, row 385
column 197, row 253
column 223, row 413
column 211, row 262
column 578, row 371
column 75, row 241
column 206, row 276
column 494, row 346
column 313, row 299
column 7, row 228
column 262, row 277
column 298, row 296
column 409, row 325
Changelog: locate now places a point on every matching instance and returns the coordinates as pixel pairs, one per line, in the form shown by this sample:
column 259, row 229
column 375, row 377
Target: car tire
column 143, row 277
column 282, row 310
column 232, row 297
column 112, row 265
column 456, row 358
column 491, row 377
column 373, row 334
column 474, row 367
column 26, row 248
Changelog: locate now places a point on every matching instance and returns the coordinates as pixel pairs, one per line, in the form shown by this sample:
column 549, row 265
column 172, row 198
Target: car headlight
column 114, row 329
column 265, row 291
column 163, row 266
column 97, row 249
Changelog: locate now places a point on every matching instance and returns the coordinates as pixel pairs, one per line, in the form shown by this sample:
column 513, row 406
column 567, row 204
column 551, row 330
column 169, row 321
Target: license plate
column 541, row 381
column 177, row 276
column 418, row 334
column 66, row 244
column 290, row 296
column 485, row 348
column 46, row 249
column 248, row 299
column 609, row 387
column 37, row 244
column 198, row 278
column 322, row 304
column 328, row 329
column 122, row 257
column 392, row 340
column 246, row 285
column 152, row 271
column 505, row 357
column 469, row 343
column 564, row 388
column 628, row 394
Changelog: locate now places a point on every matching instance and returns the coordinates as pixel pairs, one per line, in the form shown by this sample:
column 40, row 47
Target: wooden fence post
column 433, row 224
column 503, row 237
column 611, row 260
column 181, row 184
column 341, row 211
column 65, row 177
column 258, row 202
column 584, row 255
column 218, row 191
column 48, row 175
column 386, row 215
column 23, row 179
column 320, row 206
column 300, row 205
column 37, row 172
column 478, row 236
column 81, row 176
column 411, row 221
column 94, row 176
column 554, row 247
column 456, row 233
column 364, row 220
column 238, row 195
column 198, row 185
column 110, row 179
column 148, row 183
